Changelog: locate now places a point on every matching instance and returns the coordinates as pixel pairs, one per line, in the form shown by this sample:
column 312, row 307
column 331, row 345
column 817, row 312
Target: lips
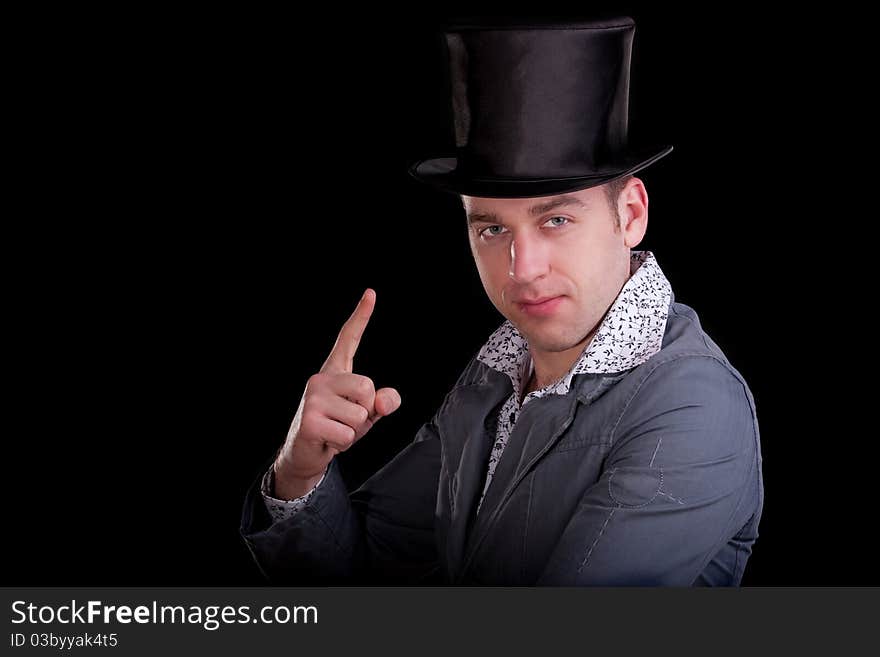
column 535, row 300
column 540, row 307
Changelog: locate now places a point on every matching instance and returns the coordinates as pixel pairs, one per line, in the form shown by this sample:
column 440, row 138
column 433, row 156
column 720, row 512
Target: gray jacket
column 650, row 476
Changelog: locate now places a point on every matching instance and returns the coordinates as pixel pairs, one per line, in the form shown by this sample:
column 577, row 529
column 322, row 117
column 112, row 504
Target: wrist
column 289, row 486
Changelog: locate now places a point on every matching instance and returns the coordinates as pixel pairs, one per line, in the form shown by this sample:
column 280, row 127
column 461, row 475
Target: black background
column 197, row 202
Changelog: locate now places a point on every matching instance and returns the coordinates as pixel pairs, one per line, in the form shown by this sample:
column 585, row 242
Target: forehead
column 476, row 206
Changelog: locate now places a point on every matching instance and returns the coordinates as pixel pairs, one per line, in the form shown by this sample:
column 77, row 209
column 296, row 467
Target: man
column 599, row 437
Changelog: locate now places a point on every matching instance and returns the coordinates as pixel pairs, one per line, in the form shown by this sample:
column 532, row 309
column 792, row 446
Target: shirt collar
column 631, row 332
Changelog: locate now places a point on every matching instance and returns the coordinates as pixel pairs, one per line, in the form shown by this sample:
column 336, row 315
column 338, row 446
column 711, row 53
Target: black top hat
column 538, row 110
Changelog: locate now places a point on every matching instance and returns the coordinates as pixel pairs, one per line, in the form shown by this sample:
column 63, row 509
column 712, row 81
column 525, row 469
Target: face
column 565, row 250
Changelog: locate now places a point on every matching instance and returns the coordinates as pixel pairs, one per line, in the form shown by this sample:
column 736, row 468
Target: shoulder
column 688, row 347
column 684, row 332
column 699, row 373
column 696, row 400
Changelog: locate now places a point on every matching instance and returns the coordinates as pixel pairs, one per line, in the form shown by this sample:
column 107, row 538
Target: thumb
column 387, row 401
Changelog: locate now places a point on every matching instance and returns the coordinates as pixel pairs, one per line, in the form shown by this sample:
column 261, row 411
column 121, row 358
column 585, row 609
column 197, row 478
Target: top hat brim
column 441, row 172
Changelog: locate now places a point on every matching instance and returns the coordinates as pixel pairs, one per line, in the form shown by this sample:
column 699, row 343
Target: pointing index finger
column 341, row 358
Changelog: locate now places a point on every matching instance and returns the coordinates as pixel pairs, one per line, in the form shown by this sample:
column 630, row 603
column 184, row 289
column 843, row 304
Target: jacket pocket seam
column 526, row 530
column 635, row 506
column 568, row 445
column 596, row 541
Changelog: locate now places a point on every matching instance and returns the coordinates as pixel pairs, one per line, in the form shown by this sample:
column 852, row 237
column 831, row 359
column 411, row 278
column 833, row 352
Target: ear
column 632, row 206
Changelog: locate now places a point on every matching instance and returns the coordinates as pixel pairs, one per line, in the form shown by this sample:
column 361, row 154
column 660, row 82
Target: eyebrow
column 534, row 211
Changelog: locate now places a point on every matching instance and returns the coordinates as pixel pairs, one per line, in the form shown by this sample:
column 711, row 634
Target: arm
column 327, row 540
column 383, row 532
column 679, row 481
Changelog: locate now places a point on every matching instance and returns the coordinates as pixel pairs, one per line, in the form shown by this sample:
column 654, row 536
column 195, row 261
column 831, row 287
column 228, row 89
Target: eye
column 488, row 233
column 565, row 219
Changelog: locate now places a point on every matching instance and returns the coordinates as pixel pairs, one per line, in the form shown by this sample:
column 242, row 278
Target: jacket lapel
column 540, row 424
column 467, row 428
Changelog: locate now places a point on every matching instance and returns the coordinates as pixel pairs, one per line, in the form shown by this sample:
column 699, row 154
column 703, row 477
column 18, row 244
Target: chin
column 547, row 340
column 562, row 339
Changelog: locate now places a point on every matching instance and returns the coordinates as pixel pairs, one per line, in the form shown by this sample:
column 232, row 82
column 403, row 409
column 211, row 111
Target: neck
column 550, row 366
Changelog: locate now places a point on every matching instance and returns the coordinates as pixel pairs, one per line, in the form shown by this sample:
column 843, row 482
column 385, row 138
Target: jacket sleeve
column 680, row 479
column 383, row 532
column 282, row 509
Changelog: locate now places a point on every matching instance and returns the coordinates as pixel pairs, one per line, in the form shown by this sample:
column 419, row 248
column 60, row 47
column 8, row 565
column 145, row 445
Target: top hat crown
column 538, row 109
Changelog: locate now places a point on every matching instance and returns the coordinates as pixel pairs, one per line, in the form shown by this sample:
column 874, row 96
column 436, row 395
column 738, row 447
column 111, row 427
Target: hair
column 612, row 193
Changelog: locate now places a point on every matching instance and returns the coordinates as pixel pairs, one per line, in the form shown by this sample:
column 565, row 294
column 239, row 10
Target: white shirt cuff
column 283, row 509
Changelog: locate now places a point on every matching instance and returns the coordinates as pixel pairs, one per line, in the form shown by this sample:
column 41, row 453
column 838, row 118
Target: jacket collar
column 631, row 332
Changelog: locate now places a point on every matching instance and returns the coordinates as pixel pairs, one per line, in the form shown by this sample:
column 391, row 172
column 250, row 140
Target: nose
column 529, row 259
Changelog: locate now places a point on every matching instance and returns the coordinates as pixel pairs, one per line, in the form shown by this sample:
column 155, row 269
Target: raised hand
column 337, row 409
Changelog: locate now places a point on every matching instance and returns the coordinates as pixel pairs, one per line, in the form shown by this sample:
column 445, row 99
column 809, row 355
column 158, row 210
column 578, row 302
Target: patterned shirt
column 631, row 332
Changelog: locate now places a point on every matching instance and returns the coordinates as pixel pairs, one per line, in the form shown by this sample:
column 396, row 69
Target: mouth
column 540, row 307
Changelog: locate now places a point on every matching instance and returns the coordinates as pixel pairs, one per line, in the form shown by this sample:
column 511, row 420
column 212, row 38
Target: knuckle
column 311, row 407
column 348, row 437
column 309, row 421
column 365, row 386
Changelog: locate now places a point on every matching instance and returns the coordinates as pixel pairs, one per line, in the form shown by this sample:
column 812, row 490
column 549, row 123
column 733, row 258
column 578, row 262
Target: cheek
column 580, row 272
column 493, row 275
column 490, row 267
